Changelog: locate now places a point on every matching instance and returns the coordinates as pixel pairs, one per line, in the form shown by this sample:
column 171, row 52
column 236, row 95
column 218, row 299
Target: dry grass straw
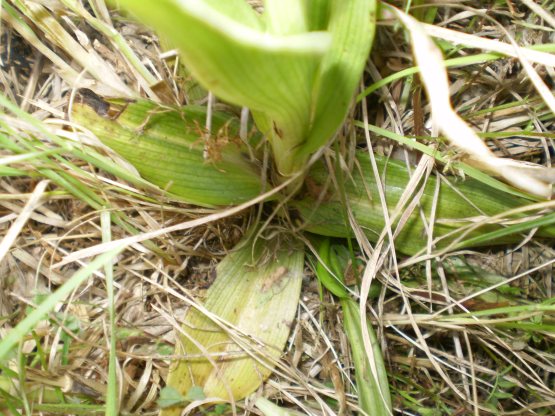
column 434, row 78
column 441, row 361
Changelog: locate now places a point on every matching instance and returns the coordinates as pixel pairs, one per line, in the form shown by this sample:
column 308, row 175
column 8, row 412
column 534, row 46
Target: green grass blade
column 7, row 171
column 69, row 408
column 467, row 169
column 112, row 390
column 26, row 325
column 543, row 223
column 459, row 61
column 48, row 164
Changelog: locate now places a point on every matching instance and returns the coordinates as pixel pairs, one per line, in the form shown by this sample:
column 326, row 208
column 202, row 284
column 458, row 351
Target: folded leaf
column 296, row 66
column 168, row 147
column 373, row 392
column 244, row 64
column 374, row 397
column 352, row 26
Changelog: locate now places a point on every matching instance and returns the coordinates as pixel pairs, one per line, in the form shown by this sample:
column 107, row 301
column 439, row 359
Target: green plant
column 371, row 376
column 296, row 67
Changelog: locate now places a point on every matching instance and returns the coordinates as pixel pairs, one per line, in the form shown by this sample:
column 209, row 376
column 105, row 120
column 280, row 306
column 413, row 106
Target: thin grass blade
column 24, row 327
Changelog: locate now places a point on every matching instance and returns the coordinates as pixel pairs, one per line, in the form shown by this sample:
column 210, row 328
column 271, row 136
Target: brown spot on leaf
column 93, row 100
column 274, row 278
column 277, row 130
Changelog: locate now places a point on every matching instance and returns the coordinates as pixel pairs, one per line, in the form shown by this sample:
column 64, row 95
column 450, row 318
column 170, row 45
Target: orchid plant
column 296, row 67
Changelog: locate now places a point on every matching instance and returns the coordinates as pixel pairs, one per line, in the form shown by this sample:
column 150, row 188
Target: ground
column 439, row 359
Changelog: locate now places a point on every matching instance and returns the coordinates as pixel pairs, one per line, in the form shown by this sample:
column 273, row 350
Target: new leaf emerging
column 296, row 66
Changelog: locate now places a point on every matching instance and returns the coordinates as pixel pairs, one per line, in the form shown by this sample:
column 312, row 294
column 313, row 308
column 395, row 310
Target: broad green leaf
column 257, row 290
column 238, row 10
column 469, row 202
column 296, row 67
column 168, row 147
column 317, row 13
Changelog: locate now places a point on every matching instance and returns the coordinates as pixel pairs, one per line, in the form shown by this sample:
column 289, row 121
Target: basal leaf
column 285, row 17
column 257, row 290
column 457, row 209
column 168, row 147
